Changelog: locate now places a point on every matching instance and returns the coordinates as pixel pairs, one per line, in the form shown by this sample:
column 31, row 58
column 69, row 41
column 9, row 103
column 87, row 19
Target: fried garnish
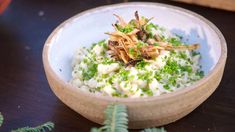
column 168, row 46
column 141, row 21
column 121, row 20
column 123, row 46
column 132, row 62
column 183, row 47
column 133, row 32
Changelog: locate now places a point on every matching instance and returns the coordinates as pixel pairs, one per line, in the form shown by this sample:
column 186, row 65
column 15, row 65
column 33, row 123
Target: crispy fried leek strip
column 141, row 21
column 121, row 20
column 120, row 43
column 183, row 47
column 133, row 32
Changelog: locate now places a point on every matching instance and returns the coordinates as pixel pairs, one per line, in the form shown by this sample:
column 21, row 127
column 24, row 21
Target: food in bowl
column 139, row 59
column 143, row 112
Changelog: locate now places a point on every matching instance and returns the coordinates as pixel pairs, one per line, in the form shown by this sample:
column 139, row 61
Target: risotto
column 139, row 59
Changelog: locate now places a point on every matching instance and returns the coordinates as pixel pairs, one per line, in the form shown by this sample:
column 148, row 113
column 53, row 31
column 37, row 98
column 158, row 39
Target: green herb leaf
column 154, row 130
column 1, row 119
column 187, row 69
column 107, row 60
column 194, row 53
column 124, row 74
column 146, row 76
column 148, row 91
column 158, row 76
column 132, row 23
column 200, row 73
column 156, row 44
column 131, row 51
column 48, row 126
column 140, row 44
column 166, row 86
column 151, row 26
column 182, row 55
column 172, row 80
column 103, row 44
column 125, row 29
column 171, row 67
column 116, row 94
column 174, row 41
column 141, row 64
column 90, row 72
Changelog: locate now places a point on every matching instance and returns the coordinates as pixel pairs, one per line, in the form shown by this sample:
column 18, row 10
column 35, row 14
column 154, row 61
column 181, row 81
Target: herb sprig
column 1, row 119
column 48, row 126
column 116, row 120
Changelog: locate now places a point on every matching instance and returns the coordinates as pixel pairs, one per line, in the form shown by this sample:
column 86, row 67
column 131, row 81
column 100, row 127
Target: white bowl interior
column 88, row 28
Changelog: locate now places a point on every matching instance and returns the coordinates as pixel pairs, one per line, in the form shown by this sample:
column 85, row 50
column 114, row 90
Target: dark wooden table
column 25, row 96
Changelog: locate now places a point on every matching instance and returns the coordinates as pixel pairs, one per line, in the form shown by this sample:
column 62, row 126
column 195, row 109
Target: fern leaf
column 42, row 128
column 1, row 119
column 154, row 130
column 116, row 118
column 96, row 130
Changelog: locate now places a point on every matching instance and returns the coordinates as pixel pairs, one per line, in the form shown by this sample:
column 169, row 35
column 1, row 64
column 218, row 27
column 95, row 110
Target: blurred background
column 25, row 96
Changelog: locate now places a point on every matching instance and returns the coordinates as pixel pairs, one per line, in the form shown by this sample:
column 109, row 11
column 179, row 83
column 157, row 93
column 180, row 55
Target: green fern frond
column 1, row 119
column 154, row 130
column 96, row 130
column 42, row 128
column 115, row 119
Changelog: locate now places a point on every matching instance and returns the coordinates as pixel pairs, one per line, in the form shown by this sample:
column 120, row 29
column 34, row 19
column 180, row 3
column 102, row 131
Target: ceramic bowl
column 89, row 26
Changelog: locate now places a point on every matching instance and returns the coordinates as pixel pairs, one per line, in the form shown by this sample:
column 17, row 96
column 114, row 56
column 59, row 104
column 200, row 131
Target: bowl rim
column 217, row 67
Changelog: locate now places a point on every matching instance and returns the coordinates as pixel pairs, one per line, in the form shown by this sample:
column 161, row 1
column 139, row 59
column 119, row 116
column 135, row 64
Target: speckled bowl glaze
column 88, row 27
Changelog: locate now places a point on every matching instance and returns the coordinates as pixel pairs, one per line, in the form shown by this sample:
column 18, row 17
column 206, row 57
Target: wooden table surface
column 25, row 96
